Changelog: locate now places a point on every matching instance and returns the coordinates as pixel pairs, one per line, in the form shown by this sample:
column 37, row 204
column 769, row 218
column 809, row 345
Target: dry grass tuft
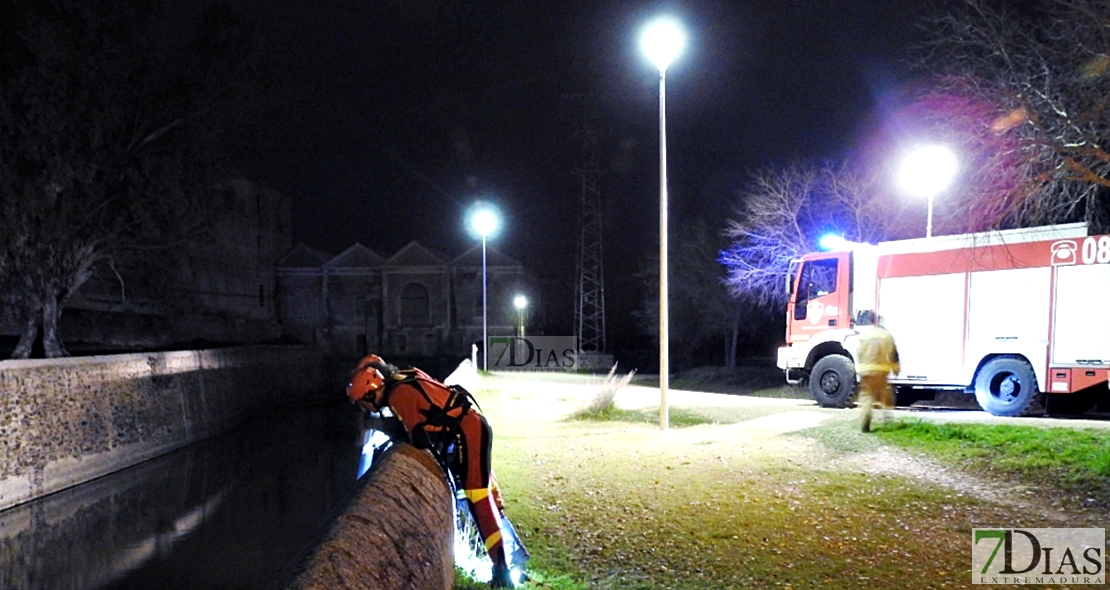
column 604, row 402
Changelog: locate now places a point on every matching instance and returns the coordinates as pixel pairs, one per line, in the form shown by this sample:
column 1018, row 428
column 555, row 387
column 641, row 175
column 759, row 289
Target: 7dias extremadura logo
column 533, row 353
column 1038, row 556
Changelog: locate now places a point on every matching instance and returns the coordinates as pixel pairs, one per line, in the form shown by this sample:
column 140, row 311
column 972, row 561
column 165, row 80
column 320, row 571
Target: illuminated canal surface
column 236, row 511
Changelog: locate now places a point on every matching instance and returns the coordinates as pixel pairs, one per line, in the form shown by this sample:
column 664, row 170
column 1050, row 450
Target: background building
column 213, row 286
column 237, row 279
column 415, row 304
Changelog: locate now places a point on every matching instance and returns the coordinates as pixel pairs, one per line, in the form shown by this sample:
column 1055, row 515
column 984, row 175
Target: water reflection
column 235, row 511
column 375, row 443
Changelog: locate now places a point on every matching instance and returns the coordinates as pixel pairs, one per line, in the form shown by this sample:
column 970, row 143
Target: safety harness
column 441, row 425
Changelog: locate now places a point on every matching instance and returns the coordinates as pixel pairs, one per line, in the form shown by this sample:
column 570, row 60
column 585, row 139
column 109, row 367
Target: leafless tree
column 1020, row 89
column 771, row 230
column 1025, row 88
column 784, row 213
column 106, row 110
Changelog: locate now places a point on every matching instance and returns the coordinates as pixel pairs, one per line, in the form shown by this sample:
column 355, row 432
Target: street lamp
column 484, row 221
column 925, row 172
column 520, row 302
column 661, row 41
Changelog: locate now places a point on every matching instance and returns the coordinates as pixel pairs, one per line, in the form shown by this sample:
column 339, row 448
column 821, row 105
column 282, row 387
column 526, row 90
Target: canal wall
column 70, row 420
column 398, row 531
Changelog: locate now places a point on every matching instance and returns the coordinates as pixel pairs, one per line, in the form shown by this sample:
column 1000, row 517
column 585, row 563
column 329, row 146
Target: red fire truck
column 1003, row 315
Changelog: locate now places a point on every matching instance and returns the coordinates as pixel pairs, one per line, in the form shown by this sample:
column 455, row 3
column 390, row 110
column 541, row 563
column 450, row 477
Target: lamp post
column 520, row 302
column 484, row 220
column 661, row 41
column 925, row 172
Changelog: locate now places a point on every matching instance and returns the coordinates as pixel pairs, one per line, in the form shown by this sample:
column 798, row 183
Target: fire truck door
column 926, row 316
column 820, row 297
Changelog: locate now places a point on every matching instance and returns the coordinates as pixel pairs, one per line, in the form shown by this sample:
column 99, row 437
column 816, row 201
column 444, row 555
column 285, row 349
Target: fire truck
column 1004, row 315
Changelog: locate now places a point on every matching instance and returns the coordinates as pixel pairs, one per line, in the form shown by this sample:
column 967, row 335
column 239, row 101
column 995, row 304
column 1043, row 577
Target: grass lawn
column 758, row 381
column 734, row 495
column 1075, row 461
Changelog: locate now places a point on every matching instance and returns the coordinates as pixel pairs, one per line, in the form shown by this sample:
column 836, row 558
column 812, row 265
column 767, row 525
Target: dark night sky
column 397, row 114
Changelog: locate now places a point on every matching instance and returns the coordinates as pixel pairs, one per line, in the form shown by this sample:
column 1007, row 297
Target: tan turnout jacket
column 877, row 353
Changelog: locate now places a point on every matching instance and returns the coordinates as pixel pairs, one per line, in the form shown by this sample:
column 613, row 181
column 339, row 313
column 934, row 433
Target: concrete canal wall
column 398, row 531
column 67, row 421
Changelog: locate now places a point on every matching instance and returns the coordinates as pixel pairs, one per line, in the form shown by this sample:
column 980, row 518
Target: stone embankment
column 398, row 531
column 67, row 421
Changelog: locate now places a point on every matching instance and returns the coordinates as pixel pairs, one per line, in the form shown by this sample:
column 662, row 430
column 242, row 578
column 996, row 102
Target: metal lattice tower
column 589, row 309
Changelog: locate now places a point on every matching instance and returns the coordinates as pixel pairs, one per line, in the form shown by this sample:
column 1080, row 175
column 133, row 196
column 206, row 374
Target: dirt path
column 1013, row 497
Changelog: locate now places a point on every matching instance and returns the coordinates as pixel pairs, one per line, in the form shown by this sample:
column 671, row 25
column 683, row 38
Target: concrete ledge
column 67, row 421
column 398, row 532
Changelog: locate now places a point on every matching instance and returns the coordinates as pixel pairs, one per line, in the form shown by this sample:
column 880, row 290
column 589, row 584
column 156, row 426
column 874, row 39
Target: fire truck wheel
column 1005, row 386
column 832, row 381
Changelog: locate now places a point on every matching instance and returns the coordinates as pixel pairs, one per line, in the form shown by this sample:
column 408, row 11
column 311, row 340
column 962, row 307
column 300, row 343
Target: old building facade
column 415, row 303
column 238, row 280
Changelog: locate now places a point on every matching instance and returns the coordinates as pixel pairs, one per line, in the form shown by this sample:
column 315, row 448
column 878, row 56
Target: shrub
column 603, row 403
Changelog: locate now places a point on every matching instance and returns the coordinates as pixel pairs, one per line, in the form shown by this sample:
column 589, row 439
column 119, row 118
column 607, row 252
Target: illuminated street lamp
column 925, row 172
column 484, row 221
column 661, row 41
column 520, row 302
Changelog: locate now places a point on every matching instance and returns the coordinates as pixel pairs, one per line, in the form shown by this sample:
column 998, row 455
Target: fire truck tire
column 1005, row 386
column 832, row 381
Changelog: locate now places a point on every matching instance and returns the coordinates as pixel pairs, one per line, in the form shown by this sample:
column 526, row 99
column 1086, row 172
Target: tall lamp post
column 520, row 302
column 925, row 172
column 484, row 220
column 661, row 41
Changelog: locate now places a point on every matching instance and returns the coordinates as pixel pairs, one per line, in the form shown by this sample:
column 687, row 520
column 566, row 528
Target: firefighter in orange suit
column 445, row 421
column 877, row 358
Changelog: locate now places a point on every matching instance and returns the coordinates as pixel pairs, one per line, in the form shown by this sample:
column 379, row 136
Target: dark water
column 236, row 511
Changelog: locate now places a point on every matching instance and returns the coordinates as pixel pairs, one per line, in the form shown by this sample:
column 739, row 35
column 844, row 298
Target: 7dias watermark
column 533, row 353
column 1038, row 556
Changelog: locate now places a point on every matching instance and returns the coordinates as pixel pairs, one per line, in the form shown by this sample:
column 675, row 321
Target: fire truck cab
column 1004, row 315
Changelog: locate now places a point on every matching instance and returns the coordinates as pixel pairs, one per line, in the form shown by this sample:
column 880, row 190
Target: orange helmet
column 370, row 359
column 366, row 380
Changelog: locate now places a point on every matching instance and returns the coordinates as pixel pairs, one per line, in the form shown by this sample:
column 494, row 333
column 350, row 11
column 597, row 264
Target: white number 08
column 1096, row 250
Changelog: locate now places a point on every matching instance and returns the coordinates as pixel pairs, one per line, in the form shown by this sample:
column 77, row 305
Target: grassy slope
column 1075, row 462
column 619, row 504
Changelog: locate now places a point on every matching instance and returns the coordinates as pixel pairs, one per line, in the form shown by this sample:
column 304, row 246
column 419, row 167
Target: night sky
column 396, row 115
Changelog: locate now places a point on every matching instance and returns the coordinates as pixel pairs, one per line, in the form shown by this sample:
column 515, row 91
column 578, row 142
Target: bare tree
column 1021, row 90
column 1026, row 87
column 106, row 112
column 784, row 213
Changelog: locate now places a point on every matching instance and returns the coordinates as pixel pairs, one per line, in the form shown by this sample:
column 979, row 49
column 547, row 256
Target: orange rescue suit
column 435, row 416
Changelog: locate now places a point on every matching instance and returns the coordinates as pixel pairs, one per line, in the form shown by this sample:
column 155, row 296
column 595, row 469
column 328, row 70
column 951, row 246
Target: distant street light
column 925, row 172
column 485, row 221
column 661, row 42
column 520, row 302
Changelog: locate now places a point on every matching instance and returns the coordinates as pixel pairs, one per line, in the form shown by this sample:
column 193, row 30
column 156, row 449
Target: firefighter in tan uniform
column 876, row 359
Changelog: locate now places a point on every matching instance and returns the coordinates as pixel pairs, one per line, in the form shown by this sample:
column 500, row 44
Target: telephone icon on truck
column 1063, row 253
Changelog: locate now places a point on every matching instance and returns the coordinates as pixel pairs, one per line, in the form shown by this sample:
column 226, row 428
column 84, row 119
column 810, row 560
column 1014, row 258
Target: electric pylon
column 589, row 309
